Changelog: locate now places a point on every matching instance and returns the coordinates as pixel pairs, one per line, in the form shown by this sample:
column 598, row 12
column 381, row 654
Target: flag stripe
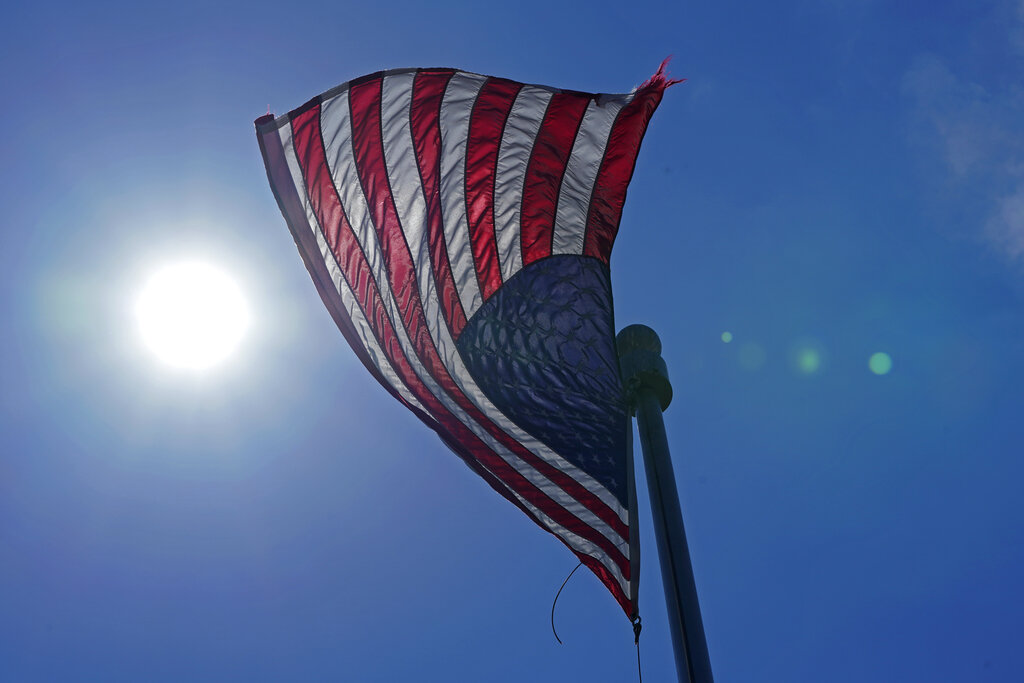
column 327, row 210
column 365, row 105
column 340, row 151
column 409, row 202
column 581, row 173
column 516, row 145
column 584, row 537
column 368, row 146
column 623, row 595
column 301, row 221
column 396, row 263
column 545, row 171
column 454, row 119
column 616, row 172
column 424, row 109
column 487, row 122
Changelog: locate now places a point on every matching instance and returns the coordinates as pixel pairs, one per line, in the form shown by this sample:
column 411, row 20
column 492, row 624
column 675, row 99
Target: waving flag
column 459, row 227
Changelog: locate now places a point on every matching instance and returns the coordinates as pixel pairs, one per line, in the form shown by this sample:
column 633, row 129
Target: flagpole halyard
column 648, row 393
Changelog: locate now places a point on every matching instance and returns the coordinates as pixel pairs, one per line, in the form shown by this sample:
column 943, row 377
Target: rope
column 553, row 602
column 637, row 626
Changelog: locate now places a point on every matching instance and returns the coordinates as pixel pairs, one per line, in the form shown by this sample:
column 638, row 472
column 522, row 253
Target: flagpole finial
column 641, row 364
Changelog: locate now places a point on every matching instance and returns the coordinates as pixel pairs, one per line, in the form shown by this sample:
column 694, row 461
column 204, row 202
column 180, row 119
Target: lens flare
column 807, row 356
column 880, row 363
column 808, row 361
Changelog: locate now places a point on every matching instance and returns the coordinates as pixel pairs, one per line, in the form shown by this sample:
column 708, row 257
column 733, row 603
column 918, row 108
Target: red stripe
column 325, row 203
column 368, row 146
column 609, row 581
column 424, row 113
column 544, row 173
column 487, row 122
column 617, row 169
column 286, row 192
column 334, row 223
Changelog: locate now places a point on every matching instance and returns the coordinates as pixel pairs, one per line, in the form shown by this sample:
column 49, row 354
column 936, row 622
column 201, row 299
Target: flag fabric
column 458, row 228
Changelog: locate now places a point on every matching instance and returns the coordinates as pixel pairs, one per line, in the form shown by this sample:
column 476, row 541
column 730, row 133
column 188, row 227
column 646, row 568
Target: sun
column 192, row 315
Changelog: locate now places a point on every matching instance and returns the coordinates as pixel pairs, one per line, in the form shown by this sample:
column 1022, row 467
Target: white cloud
column 1006, row 226
column 977, row 129
column 976, row 126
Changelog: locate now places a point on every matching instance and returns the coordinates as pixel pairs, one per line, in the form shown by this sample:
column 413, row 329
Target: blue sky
column 841, row 178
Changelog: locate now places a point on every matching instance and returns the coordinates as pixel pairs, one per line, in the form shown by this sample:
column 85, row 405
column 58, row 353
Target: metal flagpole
column 648, row 393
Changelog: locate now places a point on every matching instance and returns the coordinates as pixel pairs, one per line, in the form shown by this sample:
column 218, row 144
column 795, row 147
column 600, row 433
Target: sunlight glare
column 191, row 315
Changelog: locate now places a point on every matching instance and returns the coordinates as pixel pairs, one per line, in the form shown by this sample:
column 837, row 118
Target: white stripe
column 355, row 313
column 581, row 173
column 407, row 191
column 513, row 157
column 337, row 133
column 456, row 108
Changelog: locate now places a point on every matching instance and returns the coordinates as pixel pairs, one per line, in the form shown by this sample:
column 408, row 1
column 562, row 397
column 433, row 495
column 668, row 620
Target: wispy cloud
column 976, row 127
column 1006, row 226
column 1017, row 34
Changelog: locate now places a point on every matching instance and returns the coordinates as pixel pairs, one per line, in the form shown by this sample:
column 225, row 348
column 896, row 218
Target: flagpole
column 649, row 392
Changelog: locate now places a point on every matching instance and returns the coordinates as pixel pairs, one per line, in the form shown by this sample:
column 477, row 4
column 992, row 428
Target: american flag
column 459, row 227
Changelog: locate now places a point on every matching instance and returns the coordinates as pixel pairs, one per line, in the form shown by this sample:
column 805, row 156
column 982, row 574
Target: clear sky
column 835, row 179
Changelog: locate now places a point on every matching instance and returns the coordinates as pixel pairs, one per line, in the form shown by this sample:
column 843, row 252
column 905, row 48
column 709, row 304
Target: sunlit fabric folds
column 459, row 228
